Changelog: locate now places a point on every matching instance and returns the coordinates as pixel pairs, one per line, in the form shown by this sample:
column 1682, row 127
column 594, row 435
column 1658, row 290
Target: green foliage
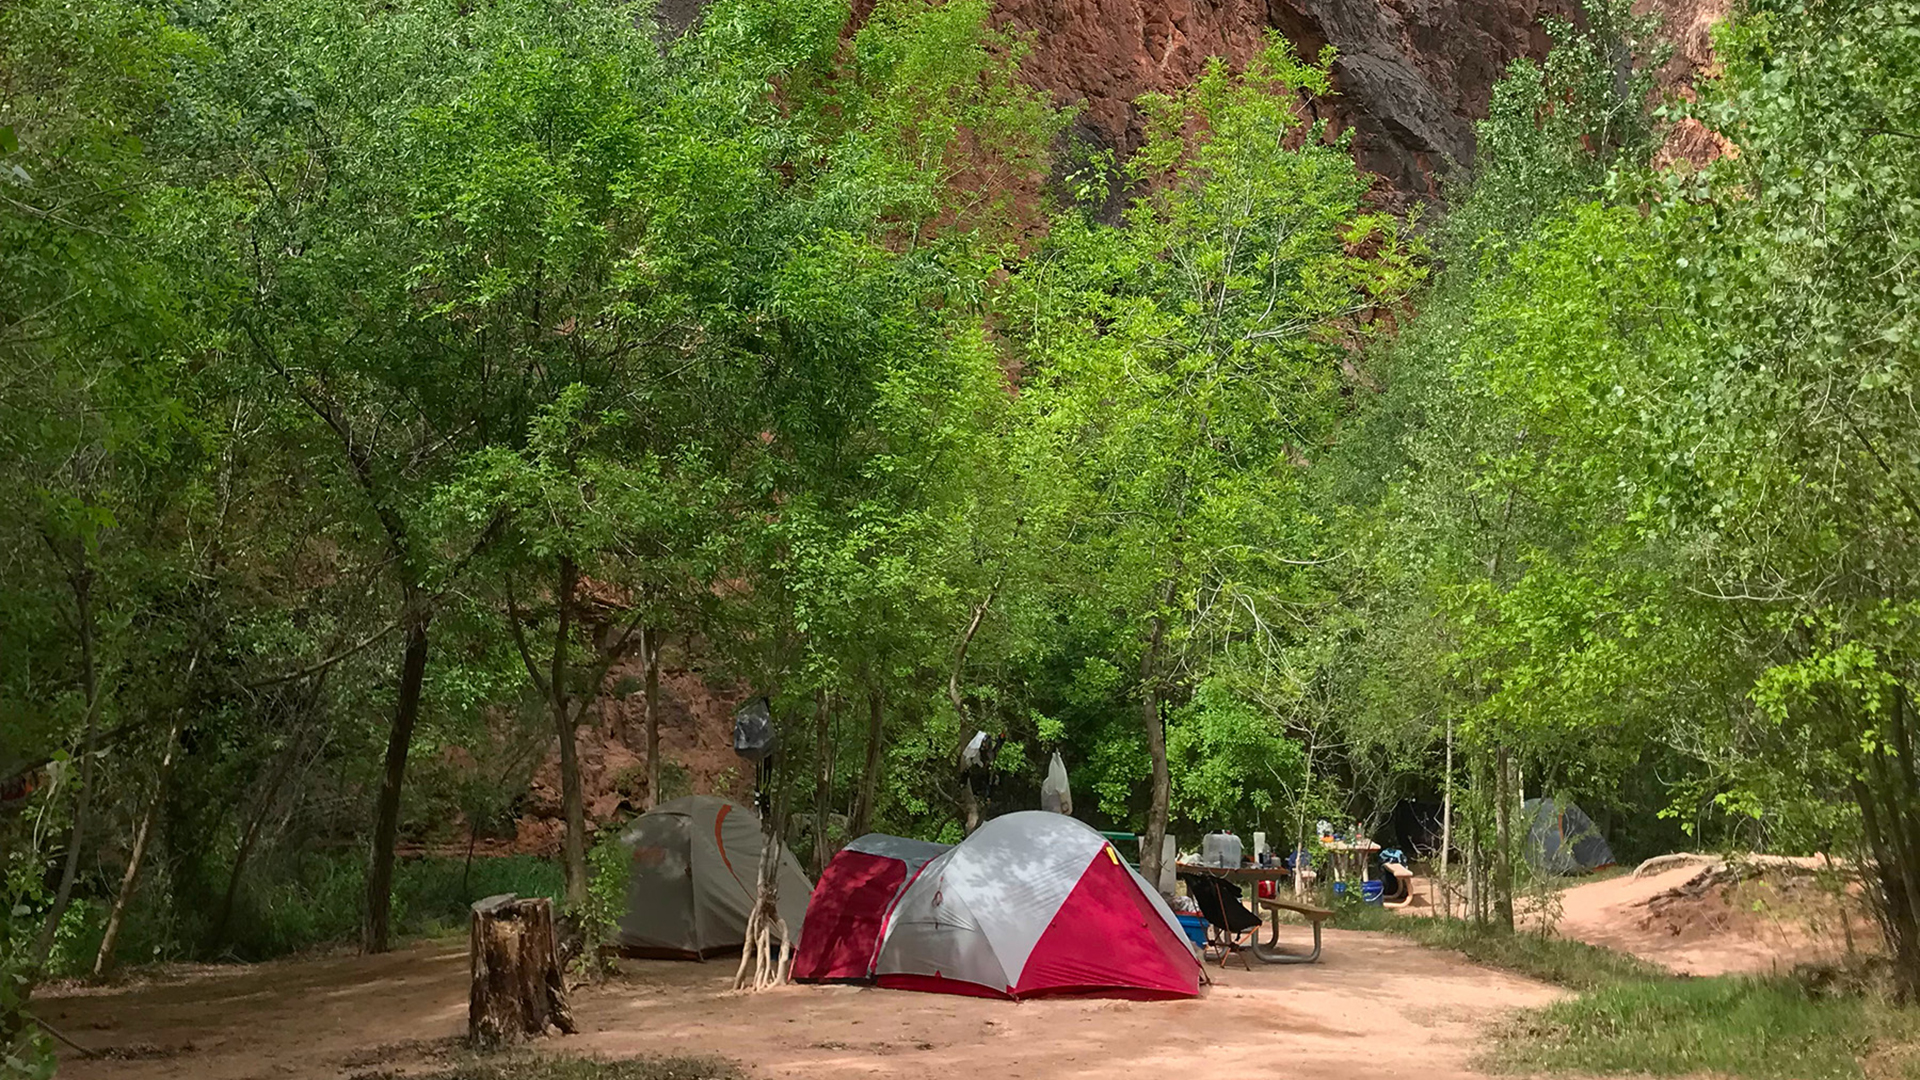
column 1759, row 1029
column 1233, row 768
column 323, row 324
column 599, row 918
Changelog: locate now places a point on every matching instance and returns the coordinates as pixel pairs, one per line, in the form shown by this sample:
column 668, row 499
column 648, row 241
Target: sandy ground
column 1758, row 927
column 1377, row 1006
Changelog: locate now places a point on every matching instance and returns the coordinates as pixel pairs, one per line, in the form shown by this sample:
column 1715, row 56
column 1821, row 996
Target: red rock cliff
column 1411, row 75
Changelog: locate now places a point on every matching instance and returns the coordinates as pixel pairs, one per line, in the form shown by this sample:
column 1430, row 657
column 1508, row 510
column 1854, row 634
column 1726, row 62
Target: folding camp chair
column 1230, row 925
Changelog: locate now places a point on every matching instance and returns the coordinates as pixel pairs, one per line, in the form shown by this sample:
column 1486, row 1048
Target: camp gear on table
column 1220, row 849
column 847, row 916
column 1034, row 904
column 1349, row 857
column 692, row 870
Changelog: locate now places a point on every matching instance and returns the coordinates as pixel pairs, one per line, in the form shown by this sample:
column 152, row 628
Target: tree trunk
column 1446, row 832
column 141, row 834
column 1902, row 784
column 517, row 989
column 572, row 797
column 252, row 833
column 760, row 967
column 870, row 771
column 1151, row 840
column 386, row 828
column 1503, row 840
column 81, row 580
column 1476, row 838
column 969, row 803
column 1896, row 916
column 650, row 650
column 1300, row 820
column 823, row 778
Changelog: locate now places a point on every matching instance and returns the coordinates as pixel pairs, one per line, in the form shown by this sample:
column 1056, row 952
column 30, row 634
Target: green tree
column 1184, row 370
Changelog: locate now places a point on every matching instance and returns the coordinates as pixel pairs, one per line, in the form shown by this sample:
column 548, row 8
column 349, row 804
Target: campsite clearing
column 1377, row 1005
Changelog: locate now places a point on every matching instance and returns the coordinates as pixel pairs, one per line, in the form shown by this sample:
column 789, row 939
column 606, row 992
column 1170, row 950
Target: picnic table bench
column 1271, row 952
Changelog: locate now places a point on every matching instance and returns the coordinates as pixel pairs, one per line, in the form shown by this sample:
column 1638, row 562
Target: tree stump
column 517, row 985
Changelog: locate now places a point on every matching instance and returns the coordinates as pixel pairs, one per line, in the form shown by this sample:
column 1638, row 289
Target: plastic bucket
column 1195, row 926
column 1339, row 888
column 1371, row 891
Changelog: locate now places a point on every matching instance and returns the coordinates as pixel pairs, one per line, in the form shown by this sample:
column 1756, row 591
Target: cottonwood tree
column 1184, row 369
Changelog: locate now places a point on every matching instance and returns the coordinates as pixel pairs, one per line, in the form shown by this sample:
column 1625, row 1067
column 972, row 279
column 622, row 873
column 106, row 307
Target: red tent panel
column 846, row 915
column 1108, row 938
column 936, row 984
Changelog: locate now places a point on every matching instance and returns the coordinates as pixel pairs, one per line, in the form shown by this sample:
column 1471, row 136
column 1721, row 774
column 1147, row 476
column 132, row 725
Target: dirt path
column 1758, row 927
column 1378, row 1006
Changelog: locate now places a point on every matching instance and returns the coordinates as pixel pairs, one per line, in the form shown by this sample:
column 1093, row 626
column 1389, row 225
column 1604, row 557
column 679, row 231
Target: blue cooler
column 1371, row 891
column 1195, row 926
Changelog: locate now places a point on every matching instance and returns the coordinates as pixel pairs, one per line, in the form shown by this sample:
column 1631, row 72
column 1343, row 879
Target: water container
column 1220, row 849
column 1196, row 928
column 1370, row 891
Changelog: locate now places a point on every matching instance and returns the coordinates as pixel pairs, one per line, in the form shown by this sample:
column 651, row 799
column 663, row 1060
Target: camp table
column 1359, row 851
column 1267, row 953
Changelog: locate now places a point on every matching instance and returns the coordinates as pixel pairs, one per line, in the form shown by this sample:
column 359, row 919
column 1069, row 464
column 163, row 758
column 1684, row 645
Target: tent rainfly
column 1562, row 839
column 692, row 878
column 848, row 912
column 1034, row 904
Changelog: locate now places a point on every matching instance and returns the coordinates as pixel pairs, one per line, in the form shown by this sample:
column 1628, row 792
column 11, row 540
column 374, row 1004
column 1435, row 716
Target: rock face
column 1411, row 75
column 696, row 748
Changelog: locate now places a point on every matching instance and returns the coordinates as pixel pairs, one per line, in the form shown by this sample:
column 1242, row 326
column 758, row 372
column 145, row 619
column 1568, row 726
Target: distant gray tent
column 692, row 874
column 1562, row 839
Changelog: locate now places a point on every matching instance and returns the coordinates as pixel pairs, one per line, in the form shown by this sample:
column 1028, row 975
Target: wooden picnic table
column 1358, row 851
column 1271, row 952
column 1236, row 873
column 1268, row 952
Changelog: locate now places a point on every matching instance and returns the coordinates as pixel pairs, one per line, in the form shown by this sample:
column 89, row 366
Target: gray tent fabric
column 692, row 868
column 1562, row 839
column 976, row 912
column 915, row 853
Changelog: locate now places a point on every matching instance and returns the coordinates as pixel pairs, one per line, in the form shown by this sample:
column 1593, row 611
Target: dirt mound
column 1723, row 918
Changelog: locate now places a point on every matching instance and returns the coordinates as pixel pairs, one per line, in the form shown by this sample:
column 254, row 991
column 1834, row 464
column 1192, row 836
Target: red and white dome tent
column 1033, row 904
column 847, row 916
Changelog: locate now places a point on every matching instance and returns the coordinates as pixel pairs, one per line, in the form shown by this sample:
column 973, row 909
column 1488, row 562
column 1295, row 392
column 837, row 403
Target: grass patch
column 1575, row 965
column 1635, row 1018
column 1760, row 1029
column 529, row 1067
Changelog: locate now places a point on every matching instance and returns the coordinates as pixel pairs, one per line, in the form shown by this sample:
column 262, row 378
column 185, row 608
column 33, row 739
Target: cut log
column 1660, row 864
column 518, row 989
